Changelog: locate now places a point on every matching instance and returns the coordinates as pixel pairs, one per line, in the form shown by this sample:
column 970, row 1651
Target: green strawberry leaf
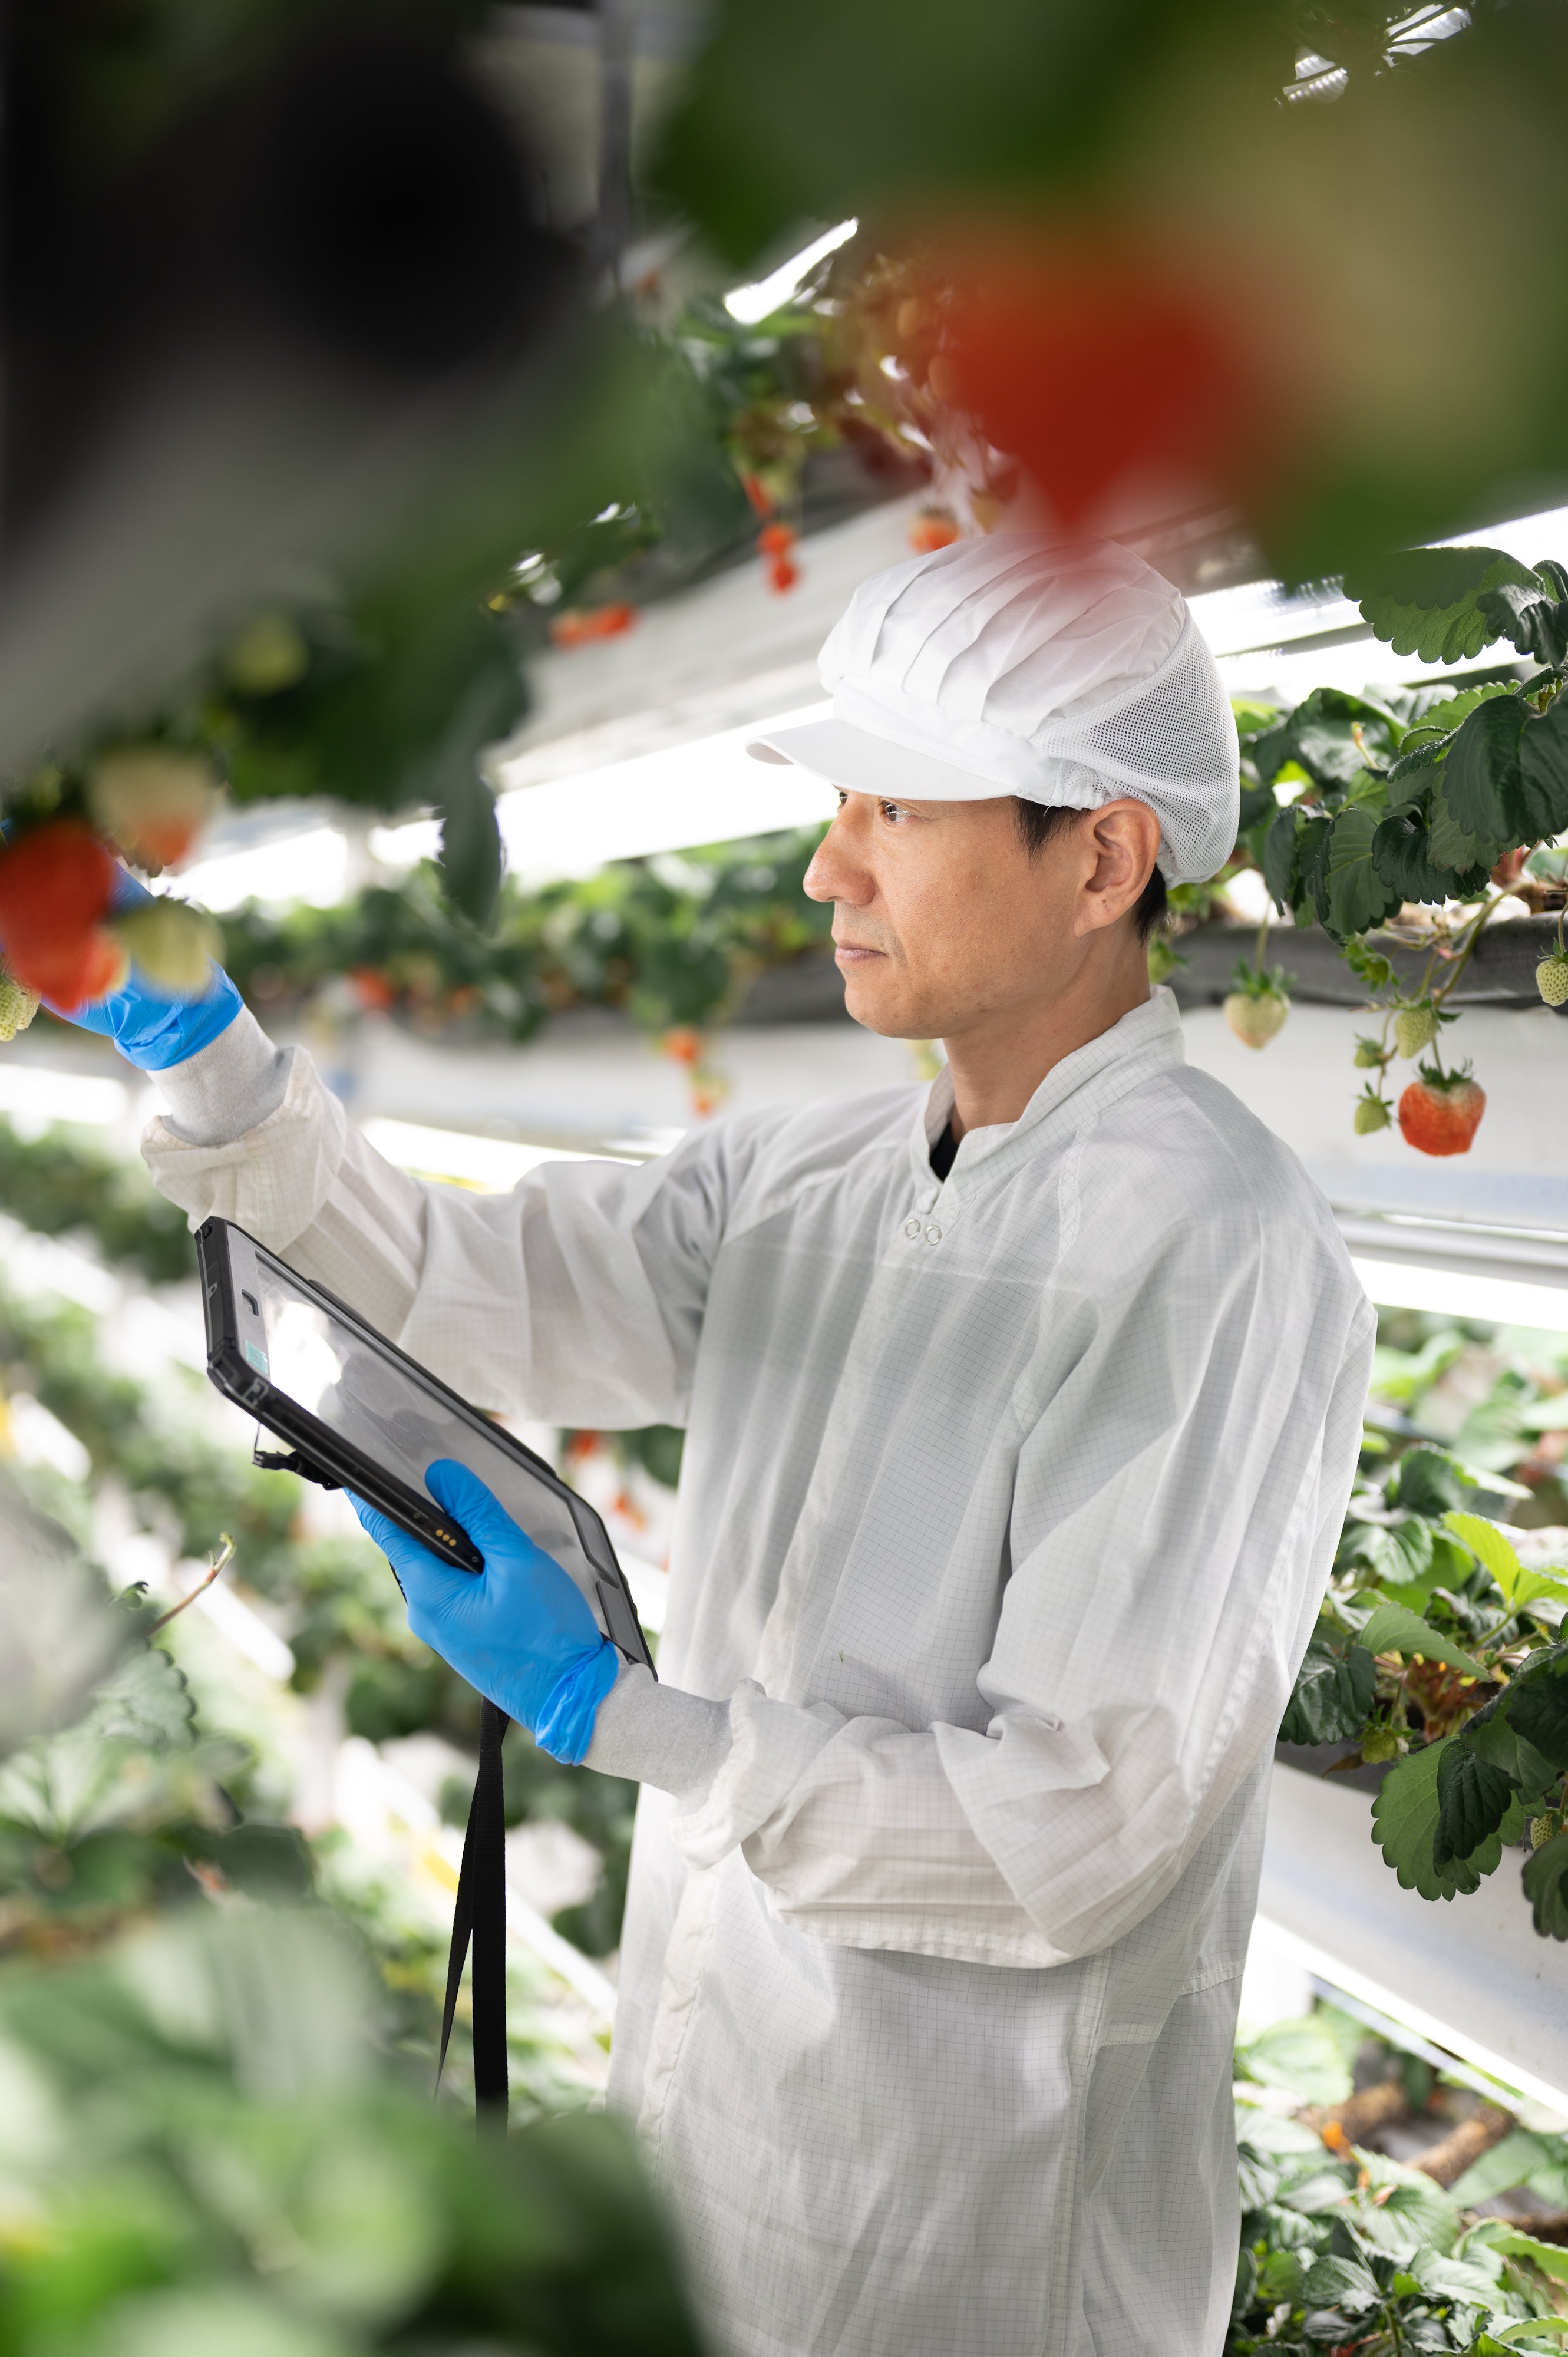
column 1311, row 852
column 1440, row 720
column 1482, row 789
column 1282, row 872
column 1537, row 624
column 1332, row 1695
column 1422, row 601
column 1358, row 897
column 1492, row 1737
column 1404, row 1824
column 1536, row 1705
column 1451, row 846
column 1402, row 856
column 1328, row 736
column 1550, row 2258
column 1473, row 1798
column 1546, row 1888
column 1394, row 1628
column 1543, row 769
column 1347, row 2284
column 1489, row 1546
column 1429, row 1481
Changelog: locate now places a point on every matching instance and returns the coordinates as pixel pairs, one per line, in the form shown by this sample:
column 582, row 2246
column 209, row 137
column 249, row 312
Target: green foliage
column 218, row 2159
column 1467, row 1694
column 1394, row 1628
column 673, row 941
column 1330, row 735
column 64, row 1181
column 1353, row 2249
column 1425, row 601
column 1332, row 1696
column 1546, row 1888
column 1405, row 1816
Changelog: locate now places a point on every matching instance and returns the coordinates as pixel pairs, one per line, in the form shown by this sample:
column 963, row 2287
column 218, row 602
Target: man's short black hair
column 1038, row 822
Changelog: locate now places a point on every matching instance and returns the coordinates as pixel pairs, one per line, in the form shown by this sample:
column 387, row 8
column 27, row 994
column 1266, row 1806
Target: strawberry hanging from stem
column 1439, row 1112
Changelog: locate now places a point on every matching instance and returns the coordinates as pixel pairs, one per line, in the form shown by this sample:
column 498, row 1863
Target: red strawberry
column 1441, row 1112
column 56, row 883
column 1091, row 362
column 373, row 989
column 100, row 966
column 776, row 539
column 782, row 575
column 576, row 626
column 930, row 529
column 684, row 1043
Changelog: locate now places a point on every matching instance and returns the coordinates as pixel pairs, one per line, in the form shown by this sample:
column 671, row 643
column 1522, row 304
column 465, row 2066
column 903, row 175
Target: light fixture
column 1457, row 1293
column 33, row 1094
column 764, row 296
column 312, row 867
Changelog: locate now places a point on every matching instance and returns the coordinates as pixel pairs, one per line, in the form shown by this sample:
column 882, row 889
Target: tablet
column 359, row 1413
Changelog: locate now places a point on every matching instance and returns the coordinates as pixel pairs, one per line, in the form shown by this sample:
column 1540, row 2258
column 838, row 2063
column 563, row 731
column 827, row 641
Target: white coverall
column 1006, row 1509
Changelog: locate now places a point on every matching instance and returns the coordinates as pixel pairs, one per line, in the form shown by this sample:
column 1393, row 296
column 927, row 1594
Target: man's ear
column 1124, row 839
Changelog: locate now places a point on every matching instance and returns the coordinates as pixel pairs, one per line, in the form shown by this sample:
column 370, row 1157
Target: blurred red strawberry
column 782, row 575
column 56, row 883
column 374, row 990
column 1091, row 364
column 776, row 539
column 932, row 528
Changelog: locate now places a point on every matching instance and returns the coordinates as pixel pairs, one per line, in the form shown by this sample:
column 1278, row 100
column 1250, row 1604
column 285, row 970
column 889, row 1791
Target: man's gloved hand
column 151, row 1030
column 520, row 1630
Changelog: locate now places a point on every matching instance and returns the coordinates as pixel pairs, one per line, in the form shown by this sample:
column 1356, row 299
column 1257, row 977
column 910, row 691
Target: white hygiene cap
column 1066, row 672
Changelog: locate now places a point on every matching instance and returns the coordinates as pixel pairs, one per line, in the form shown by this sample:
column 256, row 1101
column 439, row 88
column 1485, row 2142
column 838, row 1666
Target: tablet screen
column 384, row 1408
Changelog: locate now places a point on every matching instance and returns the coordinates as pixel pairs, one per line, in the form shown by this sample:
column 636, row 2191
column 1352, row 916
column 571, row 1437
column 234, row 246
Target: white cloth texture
column 1007, row 1505
column 1068, row 672
column 236, row 1081
column 659, row 1735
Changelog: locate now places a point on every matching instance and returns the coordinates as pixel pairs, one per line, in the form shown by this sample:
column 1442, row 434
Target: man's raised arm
column 576, row 1299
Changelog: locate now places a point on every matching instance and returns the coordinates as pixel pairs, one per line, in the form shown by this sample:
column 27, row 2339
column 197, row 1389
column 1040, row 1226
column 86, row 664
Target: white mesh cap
column 1068, row 673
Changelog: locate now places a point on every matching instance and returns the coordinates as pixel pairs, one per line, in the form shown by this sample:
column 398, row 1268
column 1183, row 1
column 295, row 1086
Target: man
column 1022, row 1413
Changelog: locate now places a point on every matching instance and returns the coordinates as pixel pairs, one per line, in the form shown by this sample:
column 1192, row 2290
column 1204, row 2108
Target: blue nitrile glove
column 520, row 1630
column 151, row 1030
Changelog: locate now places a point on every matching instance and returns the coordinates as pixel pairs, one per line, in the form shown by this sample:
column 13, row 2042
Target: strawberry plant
column 1343, row 2248
column 1427, row 800
column 1437, row 1649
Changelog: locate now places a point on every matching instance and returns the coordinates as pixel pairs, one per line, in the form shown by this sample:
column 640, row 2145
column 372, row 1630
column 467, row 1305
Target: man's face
column 942, row 920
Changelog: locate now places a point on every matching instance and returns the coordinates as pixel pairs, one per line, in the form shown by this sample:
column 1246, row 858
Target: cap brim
column 863, row 764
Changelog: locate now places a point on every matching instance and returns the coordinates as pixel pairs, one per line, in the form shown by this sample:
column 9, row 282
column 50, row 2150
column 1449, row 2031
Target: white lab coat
column 1006, row 1509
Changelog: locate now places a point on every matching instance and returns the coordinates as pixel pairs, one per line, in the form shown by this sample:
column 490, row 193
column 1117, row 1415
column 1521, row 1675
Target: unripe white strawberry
column 1372, row 1113
column 1415, row 1027
column 1255, row 1018
column 171, row 943
column 268, row 655
column 152, row 801
column 1552, row 979
column 18, row 1005
column 1545, row 1828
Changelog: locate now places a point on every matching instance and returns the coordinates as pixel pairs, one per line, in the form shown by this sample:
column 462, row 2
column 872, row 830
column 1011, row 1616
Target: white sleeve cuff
column 659, row 1735
column 227, row 1087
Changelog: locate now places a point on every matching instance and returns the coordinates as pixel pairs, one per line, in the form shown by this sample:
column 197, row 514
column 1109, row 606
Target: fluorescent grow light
column 1454, row 1293
column 312, row 867
column 39, row 1095
column 750, row 304
column 708, row 791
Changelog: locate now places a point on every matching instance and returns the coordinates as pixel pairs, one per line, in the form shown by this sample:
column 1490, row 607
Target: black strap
column 480, row 1915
